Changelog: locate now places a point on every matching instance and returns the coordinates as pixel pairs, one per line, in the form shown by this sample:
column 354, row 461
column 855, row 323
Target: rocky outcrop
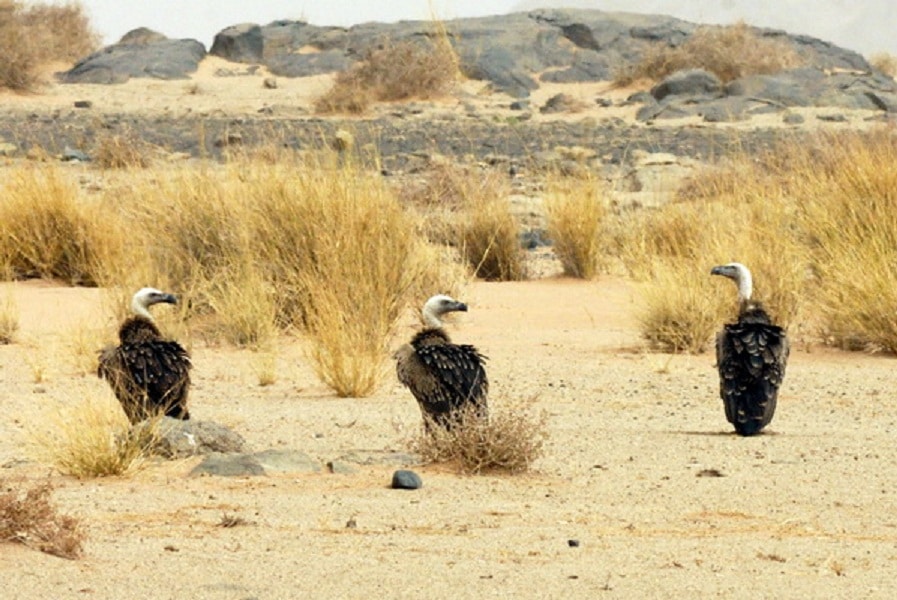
column 514, row 53
column 697, row 93
column 140, row 53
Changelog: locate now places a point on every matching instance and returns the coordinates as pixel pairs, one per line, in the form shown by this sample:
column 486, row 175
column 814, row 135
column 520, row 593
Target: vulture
column 442, row 376
column 149, row 374
column 751, row 355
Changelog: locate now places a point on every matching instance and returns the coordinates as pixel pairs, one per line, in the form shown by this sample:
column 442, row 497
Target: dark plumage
column 148, row 374
column 751, row 355
column 442, row 376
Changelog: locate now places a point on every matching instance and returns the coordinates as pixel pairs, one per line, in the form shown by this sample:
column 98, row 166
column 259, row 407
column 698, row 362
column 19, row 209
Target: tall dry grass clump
column 353, row 264
column 394, row 71
column 32, row 35
column 730, row 52
column 680, row 310
column 848, row 188
column 509, row 441
column 47, row 229
column 9, row 319
column 28, row 517
column 576, row 210
column 90, row 437
column 121, row 150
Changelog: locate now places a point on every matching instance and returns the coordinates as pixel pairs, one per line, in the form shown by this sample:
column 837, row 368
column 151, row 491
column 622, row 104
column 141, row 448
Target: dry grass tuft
column 9, row 319
column 394, row 72
column 509, row 441
column 123, row 150
column 730, row 52
column 28, row 517
column 91, row 438
column 48, row 230
column 487, row 233
column 681, row 313
column 576, row 211
column 33, row 35
column 884, row 62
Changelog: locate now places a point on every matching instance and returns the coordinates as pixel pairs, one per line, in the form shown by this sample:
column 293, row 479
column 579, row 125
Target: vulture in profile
column 442, row 376
column 149, row 375
column 751, row 355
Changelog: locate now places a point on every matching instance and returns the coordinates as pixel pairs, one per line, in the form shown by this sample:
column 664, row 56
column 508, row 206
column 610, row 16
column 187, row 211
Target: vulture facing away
column 442, row 376
column 751, row 355
column 149, row 375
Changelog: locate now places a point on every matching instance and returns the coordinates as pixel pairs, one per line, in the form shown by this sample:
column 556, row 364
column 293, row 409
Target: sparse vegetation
column 885, row 62
column 730, row 52
column 510, row 440
column 394, row 71
column 33, row 35
column 91, row 437
column 576, row 209
column 28, row 516
column 9, row 319
column 122, row 150
column 47, row 231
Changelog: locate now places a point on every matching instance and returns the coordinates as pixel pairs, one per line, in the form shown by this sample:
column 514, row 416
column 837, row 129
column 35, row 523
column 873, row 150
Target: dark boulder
column 240, row 43
column 695, row 83
column 140, row 53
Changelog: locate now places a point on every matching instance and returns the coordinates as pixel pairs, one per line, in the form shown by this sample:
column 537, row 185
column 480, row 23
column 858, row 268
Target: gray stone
column 8, row 149
column 240, row 43
column 381, row 457
column 156, row 58
column 286, row 461
column 560, row 103
column 70, row 154
column 406, row 480
column 690, row 82
column 187, row 438
column 228, row 465
column 792, row 118
column 338, row 467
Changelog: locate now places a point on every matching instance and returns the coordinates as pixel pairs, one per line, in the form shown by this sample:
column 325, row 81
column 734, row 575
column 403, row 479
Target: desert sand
column 640, row 467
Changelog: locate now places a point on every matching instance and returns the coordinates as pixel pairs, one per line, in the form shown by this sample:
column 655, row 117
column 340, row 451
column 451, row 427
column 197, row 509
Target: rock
column 573, row 543
column 342, row 141
column 406, row 480
column 158, row 58
column 141, row 36
column 240, row 43
column 270, row 83
column 380, row 457
column 338, row 467
column 70, row 154
column 286, row 461
column 228, row 465
column 788, row 88
column 561, row 103
column 83, row 104
column 7, row 149
column 695, row 83
column 177, row 439
column 792, row 118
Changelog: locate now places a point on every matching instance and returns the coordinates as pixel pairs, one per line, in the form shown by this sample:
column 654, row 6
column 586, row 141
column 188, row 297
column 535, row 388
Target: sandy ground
column 808, row 510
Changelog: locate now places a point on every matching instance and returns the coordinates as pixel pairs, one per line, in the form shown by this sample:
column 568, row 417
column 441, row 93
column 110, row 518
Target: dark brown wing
column 751, row 358
column 442, row 376
column 148, row 377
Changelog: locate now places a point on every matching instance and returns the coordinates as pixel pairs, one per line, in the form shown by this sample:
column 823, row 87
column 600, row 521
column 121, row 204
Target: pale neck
column 140, row 310
column 430, row 319
column 745, row 285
